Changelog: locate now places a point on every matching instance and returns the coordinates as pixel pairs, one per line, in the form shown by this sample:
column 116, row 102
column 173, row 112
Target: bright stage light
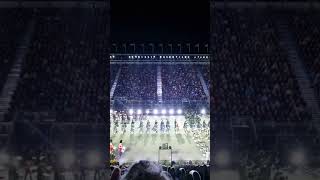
column 139, row 111
column 171, row 111
column 155, row 111
column 203, row 111
column 147, row 111
column 131, row 111
column 111, row 111
column 179, row 111
column 163, row 111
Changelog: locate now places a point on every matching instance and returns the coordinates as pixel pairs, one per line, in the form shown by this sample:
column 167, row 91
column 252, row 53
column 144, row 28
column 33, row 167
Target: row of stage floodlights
column 157, row 112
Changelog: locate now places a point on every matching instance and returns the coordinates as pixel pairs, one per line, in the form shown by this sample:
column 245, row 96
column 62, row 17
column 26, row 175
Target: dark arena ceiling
column 160, row 21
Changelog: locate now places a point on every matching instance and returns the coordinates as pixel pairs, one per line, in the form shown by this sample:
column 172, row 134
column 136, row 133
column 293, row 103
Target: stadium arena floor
column 145, row 146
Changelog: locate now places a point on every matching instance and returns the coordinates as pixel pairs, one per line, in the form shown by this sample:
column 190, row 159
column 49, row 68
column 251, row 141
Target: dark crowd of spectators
column 42, row 163
column 10, row 35
column 181, row 82
column 144, row 170
column 251, row 77
column 260, row 165
column 64, row 72
column 137, row 82
column 306, row 28
column 250, row 73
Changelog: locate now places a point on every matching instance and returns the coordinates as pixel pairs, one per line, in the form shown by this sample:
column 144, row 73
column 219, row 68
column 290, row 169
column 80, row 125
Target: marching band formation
column 121, row 122
column 191, row 124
